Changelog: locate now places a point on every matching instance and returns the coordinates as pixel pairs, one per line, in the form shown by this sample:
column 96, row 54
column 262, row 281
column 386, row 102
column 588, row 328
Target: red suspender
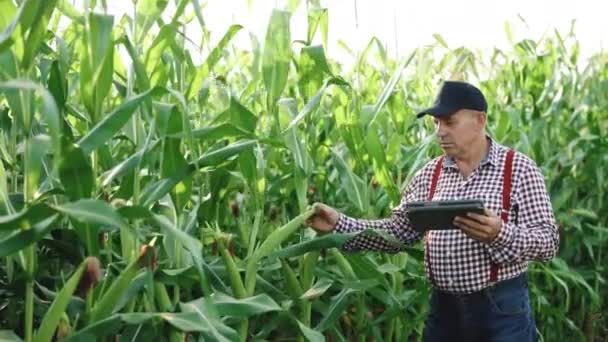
column 506, row 186
column 435, row 178
column 506, row 203
column 430, row 198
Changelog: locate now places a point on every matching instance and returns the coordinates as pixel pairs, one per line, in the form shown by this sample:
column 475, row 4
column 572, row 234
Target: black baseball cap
column 454, row 96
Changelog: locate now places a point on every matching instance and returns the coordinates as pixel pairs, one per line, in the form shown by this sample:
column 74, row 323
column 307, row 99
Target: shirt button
column 448, row 253
column 450, row 282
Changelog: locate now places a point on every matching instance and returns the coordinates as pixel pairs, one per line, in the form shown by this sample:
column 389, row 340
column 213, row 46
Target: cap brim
column 436, row 111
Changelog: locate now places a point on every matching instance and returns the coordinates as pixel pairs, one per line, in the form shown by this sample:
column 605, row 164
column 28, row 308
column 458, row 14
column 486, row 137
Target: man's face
column 457, row 132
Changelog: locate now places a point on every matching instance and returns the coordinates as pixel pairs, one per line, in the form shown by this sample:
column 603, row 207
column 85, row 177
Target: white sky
column 410, row 24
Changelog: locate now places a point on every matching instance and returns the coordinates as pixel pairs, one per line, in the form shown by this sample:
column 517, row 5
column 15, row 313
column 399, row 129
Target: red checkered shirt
column 461, row 264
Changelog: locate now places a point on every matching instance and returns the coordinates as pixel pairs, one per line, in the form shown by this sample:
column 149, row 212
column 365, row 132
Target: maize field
column 147, row 196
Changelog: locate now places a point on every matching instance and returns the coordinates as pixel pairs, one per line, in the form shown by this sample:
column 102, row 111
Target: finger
column 479, row 218
column 471, row 223
column 491, row 213
column 462, row 226
column 480, row 235
column 491, row 223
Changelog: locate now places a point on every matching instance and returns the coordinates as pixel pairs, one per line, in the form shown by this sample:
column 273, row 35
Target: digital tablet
column 439, row 215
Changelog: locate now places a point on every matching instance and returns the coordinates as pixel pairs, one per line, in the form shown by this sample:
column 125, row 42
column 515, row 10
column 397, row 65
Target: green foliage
column 190, row 183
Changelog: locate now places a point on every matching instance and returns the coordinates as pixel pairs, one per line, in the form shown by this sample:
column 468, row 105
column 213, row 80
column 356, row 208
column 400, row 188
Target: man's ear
column 482, row 118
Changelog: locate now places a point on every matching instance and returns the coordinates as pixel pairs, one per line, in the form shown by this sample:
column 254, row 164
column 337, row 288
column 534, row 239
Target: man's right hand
column 324, row 219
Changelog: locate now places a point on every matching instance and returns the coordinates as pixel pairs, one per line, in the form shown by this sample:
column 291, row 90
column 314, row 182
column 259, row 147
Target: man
column 479, row 271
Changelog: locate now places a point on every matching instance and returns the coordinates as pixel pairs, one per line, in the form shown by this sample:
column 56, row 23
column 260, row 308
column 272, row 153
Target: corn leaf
column 93, row 212
column 276, row 56
column 23, row 238
column 114, row 121
column 59, row 305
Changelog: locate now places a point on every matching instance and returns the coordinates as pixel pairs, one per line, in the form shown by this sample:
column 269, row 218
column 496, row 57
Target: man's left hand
column 484, row 228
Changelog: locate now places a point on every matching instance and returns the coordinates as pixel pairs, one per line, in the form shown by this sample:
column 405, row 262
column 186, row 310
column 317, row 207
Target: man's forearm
column 517, row 244
column 397, row 226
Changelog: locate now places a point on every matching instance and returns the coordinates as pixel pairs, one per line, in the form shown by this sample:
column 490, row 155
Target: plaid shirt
column 461, row 264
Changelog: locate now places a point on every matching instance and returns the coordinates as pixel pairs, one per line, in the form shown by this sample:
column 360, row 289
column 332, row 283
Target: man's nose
column 440, row 129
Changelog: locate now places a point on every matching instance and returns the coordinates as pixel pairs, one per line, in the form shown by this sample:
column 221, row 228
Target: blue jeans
column 501, row 312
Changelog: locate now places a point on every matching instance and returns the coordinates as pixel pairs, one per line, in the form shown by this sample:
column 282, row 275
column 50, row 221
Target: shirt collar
column 490, row 158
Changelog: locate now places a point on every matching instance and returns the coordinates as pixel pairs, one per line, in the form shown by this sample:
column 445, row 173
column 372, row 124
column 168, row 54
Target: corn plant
column 145, row 195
